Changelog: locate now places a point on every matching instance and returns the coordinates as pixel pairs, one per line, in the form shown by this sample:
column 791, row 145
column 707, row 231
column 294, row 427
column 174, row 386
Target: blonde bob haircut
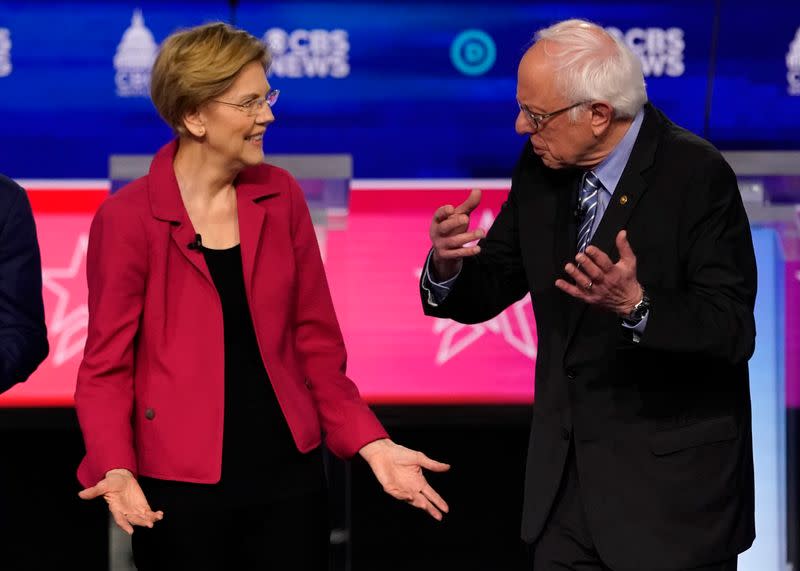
column 198, row 64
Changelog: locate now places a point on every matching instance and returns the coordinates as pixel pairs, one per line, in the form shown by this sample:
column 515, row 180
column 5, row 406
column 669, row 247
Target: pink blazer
column 149, row 395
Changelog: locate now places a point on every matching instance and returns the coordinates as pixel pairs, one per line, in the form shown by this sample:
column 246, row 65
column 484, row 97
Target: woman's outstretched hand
column 125, row 499
column 399, row 471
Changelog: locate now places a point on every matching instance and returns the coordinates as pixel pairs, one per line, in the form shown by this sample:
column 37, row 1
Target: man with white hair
column 630, row 234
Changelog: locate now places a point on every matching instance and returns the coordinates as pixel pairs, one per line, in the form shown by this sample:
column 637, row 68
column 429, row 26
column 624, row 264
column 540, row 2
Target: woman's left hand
column 399, row 470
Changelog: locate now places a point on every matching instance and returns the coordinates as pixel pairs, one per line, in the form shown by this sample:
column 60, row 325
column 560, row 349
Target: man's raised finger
column 471, row 203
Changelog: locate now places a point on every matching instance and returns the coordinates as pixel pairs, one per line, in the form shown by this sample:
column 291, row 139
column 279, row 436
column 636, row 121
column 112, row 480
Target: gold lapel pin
column 623, row 200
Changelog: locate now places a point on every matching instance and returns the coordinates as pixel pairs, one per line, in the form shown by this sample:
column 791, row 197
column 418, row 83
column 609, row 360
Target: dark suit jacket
column 661, row 429
column 23, row 336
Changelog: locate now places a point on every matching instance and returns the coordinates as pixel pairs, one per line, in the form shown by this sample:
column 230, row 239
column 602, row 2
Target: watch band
column 639, row 311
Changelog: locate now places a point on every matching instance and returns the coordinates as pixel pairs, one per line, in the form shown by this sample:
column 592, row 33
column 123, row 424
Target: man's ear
column 602, row 115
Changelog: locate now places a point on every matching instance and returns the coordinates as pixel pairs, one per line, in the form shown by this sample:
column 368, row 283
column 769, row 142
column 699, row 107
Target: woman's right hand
column 125, row 498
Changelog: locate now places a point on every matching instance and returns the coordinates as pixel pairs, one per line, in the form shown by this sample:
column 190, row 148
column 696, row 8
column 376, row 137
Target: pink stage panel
column 396, row 354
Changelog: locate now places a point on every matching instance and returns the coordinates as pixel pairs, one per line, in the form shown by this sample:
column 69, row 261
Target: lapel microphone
column 197, row 244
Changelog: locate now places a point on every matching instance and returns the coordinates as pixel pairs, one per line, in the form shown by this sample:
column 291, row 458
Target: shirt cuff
column 437, row 291
column 637, row 330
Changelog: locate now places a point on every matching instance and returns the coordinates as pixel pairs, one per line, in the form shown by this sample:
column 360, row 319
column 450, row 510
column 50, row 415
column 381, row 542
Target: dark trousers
column 290, row 533
column 566, row 544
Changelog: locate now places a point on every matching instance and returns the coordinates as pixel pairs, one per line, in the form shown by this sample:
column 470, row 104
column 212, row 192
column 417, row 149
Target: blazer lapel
column 623, row 202
column 166, row 205
column 566, row 222
column 183, row 234
column 253, row 217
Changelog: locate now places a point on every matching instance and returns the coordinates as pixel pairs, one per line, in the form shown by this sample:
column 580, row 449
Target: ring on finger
column 588, row 285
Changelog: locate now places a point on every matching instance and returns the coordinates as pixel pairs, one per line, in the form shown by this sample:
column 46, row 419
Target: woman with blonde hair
column 214, row 363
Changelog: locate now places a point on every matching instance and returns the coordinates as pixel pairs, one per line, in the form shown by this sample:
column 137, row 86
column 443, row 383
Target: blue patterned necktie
column 587, row 206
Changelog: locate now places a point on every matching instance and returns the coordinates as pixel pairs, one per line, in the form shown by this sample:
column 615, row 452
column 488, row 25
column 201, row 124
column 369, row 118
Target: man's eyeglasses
column 537, row 119
column 255, row 106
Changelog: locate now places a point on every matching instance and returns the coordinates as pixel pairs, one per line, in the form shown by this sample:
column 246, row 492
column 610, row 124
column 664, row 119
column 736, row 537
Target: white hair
column 591, row 65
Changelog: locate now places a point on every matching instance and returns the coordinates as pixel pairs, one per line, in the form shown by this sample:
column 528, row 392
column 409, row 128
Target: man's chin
column 550, row 162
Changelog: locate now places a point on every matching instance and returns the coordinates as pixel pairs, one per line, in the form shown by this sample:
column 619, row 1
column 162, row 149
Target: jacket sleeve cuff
column 360, row 430
column 89, row 475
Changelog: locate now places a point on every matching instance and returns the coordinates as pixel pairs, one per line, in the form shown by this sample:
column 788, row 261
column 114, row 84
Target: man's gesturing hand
column 449, row 234
column 599, row 281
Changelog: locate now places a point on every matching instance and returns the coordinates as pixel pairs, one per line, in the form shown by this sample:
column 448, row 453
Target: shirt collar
column 610, row 170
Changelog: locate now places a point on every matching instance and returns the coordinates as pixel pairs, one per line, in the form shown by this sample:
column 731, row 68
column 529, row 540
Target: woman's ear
column 195, row 123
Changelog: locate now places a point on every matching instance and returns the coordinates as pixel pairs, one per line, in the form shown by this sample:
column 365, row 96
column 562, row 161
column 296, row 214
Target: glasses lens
column 254, row 107
column 532, row 119
column 272, row 97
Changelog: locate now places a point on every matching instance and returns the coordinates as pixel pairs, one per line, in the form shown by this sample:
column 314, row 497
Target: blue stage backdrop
column 411, row 89
column 78, row 87
column 428, row 89
column 756, row 103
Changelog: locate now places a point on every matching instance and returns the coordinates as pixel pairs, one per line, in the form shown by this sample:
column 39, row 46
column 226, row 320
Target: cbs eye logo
column 473, row 52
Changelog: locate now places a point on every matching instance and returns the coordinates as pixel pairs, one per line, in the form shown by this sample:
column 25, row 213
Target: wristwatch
column 639, row 310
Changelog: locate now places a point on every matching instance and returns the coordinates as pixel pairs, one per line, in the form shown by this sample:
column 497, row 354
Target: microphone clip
column 196, row 244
